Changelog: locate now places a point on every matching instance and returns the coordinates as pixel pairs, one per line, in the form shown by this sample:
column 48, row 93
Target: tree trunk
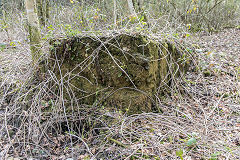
column 115, row 13
column 21, row 5
column 40, row 12
column 140, row 5
column 47, row 9
column 34, row 31
column 136, row 9
column 0, row 7
column 131, row 8
column 141, row 11
column 135, row 5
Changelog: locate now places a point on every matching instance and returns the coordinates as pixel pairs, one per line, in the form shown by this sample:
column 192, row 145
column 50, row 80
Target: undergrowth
column 193, row 125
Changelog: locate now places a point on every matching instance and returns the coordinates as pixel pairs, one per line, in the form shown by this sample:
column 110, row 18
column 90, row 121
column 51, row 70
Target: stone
column 125, row 72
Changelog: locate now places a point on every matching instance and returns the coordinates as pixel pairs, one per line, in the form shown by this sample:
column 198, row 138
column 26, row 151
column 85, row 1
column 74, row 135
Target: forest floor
column 212, row 107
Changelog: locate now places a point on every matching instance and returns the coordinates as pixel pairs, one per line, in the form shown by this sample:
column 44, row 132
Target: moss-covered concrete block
column 122, row 72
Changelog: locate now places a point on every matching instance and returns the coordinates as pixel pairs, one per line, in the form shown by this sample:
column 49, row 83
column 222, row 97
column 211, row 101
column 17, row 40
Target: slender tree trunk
column 137, row 6
column 21, row 5
column 140, row 5
column 131, row 8
column 115, row 13
column 47, row 9
column 43, row 7
column 141, row 11
column 34, row 31
column 40, row 12
column 0, row 7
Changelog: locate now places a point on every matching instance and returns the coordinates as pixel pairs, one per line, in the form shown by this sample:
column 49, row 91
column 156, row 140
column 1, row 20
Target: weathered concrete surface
column 122, row 72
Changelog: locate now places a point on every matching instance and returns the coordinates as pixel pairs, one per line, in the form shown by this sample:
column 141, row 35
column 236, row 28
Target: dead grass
column 205, row 108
